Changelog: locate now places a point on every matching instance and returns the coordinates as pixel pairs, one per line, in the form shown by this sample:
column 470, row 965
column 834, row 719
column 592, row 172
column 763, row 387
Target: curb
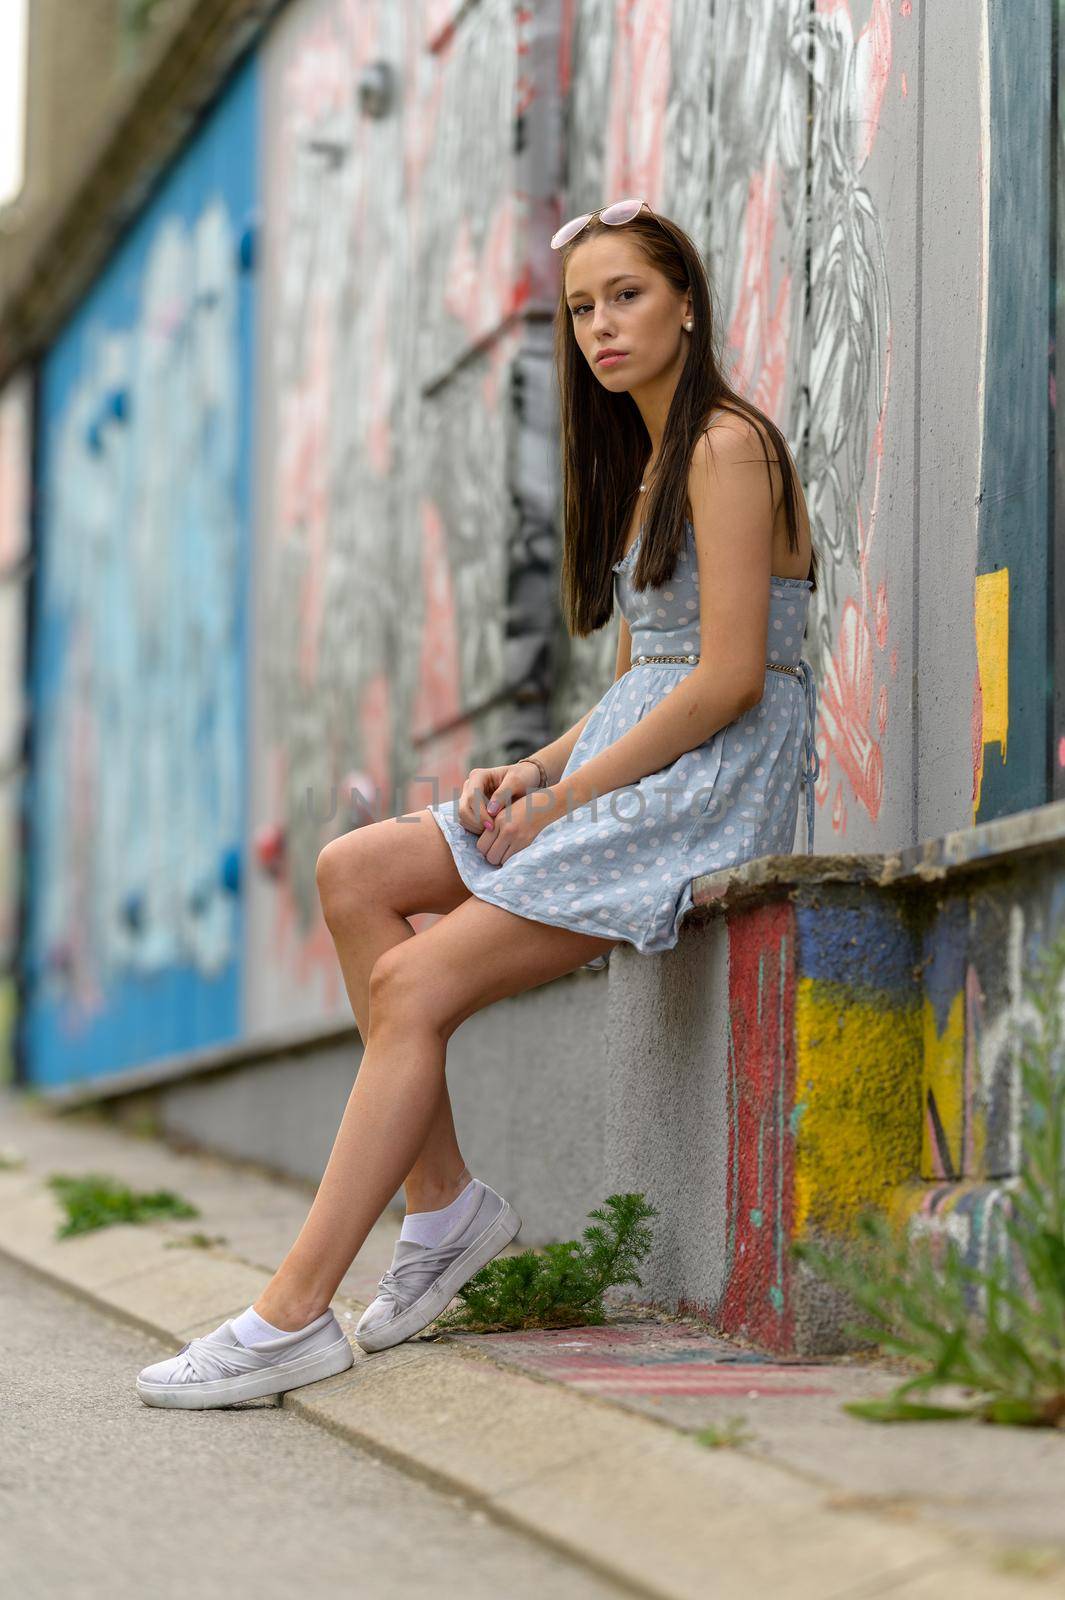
column 627, row 1497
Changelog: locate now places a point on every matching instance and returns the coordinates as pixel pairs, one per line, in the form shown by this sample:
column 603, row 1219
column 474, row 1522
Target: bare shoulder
column 736, row 437
column 726, row 443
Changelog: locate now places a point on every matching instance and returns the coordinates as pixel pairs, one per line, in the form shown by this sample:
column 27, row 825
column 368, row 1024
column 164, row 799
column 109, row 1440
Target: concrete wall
column 529, row 1081
column 73, row 73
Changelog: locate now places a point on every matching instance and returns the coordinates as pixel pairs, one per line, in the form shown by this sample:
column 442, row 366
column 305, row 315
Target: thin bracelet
column 536, row 763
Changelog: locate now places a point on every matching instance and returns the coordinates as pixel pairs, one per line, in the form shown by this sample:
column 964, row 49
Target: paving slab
column 1010, row 1481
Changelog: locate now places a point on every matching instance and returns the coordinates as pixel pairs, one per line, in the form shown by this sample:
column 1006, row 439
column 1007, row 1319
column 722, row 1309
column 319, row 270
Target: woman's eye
column 578, row 309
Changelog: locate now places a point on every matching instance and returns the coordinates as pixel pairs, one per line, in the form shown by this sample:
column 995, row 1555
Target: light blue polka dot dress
column 622, row 865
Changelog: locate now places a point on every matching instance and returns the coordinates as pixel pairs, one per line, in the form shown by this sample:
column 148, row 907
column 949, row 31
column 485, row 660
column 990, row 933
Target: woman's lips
column 611, row 361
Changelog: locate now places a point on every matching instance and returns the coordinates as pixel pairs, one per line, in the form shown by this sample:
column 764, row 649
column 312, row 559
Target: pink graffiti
column 759, row 333
column 638, row 100
column 375, row 737
column 525, row 88
column 847, row 695
column 303, row 490
column 845, row 704
column 976, row 731
column 307, row 955
column 484, row 294
column 419, row 133
column 438, row 696
column 872, row 68
column 565, row 46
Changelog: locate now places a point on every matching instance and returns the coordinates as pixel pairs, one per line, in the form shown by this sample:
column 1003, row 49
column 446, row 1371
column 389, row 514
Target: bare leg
column 369, row 882
column 420, row 990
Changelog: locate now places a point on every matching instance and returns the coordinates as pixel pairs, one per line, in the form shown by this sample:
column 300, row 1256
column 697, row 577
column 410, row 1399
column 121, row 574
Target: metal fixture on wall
column 376, row 89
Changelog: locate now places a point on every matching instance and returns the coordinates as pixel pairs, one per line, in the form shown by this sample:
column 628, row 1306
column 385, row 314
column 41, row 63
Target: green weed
column 561, row 1286
column 97, row 1201
column 730, row 1432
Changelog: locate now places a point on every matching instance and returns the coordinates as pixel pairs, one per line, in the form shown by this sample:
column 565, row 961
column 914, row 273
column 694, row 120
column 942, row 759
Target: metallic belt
column 811, row 765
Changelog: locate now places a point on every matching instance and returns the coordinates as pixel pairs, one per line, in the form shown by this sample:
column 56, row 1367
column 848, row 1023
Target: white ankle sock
column 429, row 1227
column 251, row 1329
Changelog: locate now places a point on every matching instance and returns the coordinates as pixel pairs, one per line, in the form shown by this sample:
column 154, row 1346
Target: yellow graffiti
column 964, row 1132
column 858, row 1079
column 991, row 621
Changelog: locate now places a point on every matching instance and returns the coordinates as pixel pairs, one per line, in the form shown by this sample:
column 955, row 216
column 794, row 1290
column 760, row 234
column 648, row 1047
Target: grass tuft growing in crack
column 96, row 1201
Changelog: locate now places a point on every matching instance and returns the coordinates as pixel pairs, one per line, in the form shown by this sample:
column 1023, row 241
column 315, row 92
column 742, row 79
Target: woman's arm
column 732, row 515
column 554, row 756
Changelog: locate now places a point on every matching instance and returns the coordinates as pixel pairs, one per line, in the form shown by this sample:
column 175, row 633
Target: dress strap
column 811, row 766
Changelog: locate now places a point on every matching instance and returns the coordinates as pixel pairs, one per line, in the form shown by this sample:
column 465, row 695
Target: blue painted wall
column 137, row 806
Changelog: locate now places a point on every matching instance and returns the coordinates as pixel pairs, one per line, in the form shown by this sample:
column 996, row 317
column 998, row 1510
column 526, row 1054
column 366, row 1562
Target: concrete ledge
column 986, row 845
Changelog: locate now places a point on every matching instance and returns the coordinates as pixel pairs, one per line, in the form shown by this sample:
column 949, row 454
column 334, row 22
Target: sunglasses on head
column 620, row 211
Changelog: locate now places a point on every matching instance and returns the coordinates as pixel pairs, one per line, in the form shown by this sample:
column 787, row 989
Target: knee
column 392, row 979
column 400, row 990
column 338, row 877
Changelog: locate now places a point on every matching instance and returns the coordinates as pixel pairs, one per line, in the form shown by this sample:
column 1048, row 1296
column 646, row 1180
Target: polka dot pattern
column 621, row 866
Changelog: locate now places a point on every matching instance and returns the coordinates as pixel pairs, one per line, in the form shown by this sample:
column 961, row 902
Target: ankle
column 432, row 1196
column 288, row 1311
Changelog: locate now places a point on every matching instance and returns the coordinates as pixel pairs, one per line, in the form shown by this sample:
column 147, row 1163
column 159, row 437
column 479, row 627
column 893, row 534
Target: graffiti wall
column 138, row 678
column 401, row 499
column 852, row 173
column 297, row 461
column 16, row 420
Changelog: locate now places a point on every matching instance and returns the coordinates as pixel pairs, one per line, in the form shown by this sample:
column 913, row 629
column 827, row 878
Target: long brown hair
column 605, row 443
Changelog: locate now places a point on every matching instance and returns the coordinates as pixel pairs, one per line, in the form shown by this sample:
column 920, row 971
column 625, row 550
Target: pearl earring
column 689, row 325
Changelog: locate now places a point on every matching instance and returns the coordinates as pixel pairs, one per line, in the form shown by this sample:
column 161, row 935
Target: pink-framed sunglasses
column 620, row 211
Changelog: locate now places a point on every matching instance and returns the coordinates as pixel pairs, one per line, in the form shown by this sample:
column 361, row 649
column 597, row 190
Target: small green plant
column 729, row 1432
column 195, row 1241
column 97, row 1201
column 1011, row 1359
column 11, row 1159
column 1030, row 1560
column 562, row 1286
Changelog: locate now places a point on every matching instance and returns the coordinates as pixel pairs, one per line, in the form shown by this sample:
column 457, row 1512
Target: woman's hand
column 493, row 783
column 513, row 827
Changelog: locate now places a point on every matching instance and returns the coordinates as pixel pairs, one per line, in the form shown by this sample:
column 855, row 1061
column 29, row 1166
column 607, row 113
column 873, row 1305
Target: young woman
column 682, row 504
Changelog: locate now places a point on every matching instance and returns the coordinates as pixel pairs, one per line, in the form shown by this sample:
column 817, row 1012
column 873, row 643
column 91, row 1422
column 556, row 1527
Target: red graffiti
column 761, row 1092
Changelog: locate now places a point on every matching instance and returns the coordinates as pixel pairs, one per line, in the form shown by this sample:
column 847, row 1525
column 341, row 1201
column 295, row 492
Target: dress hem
column 554, row 922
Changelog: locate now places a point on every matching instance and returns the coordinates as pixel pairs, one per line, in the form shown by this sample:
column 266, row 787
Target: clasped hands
column 504, row 830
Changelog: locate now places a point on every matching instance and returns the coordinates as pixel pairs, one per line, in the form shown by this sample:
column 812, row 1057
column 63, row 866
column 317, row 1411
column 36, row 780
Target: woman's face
column 618, row 301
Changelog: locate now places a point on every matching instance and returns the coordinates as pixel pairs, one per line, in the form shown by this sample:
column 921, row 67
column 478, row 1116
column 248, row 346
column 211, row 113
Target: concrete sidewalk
column 585, row 1438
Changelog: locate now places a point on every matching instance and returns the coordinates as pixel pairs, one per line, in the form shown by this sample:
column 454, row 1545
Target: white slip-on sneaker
column 217, row 1370
column 423, row 1278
